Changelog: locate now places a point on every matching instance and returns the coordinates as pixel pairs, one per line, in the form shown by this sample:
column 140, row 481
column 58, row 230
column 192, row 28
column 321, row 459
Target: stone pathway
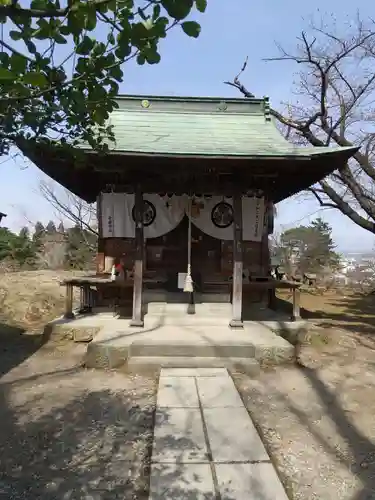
column 205, row 444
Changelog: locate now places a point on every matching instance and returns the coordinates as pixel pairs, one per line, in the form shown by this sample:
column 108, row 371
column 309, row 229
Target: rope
column 188, row 286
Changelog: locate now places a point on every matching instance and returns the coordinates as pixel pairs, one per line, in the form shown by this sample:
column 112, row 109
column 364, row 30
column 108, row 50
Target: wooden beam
column 296, row 315
column 236, row 321
column 68, row 301
column 137, row 317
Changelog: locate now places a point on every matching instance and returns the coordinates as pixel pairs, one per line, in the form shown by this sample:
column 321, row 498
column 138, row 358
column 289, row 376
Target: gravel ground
column 70, row 433
column 318, row 421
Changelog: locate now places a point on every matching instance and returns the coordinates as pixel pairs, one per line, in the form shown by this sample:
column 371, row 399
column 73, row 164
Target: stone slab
column 179, row 436
column 194, row 372
column 177, row 392
column 219, row 392
column 233, row 436
column 181, row 482
column 250, row 366
column 249, row 482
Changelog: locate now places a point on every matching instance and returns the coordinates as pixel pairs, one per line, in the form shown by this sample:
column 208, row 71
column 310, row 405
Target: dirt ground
column 71, row 433
column 65, row 432
column 29, row 299
column 317, row 418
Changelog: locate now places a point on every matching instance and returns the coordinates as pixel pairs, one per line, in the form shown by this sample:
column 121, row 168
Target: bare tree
column 334, row 105
column 69, row 207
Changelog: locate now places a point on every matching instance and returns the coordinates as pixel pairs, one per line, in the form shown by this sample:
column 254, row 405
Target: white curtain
column 252, row 216
column 118, row 221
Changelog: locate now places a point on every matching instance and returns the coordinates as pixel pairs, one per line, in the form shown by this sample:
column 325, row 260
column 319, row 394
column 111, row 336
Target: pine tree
column 24, row 233
column 17, row 248
column 80, row 248
column 38, row 232
column 51, row 228
column 308, row 249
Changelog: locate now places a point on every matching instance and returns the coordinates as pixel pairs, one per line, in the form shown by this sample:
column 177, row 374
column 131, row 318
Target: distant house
column 2, row 215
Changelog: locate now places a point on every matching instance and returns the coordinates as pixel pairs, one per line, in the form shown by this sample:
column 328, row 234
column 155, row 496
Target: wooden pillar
column 236, row 321
column 68, row 301
column 100, row 255
column 296, row 315
column 137, row 318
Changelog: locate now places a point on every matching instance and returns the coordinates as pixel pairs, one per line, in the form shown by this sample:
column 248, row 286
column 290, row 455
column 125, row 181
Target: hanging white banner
column 159, row 217
column 214, row 217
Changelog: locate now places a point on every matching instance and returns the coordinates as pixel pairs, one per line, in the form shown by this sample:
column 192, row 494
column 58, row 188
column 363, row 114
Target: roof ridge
column 133, row 97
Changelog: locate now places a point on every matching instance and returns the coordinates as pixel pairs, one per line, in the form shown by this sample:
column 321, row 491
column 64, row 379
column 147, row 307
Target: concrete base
column 176, row 346
column 171, row 337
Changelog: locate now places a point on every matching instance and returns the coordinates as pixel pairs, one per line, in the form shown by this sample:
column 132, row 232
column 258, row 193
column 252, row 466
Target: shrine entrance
column 170, row 253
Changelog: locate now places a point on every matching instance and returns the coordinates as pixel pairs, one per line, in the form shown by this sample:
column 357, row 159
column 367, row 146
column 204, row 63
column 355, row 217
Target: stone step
column 186, row 349
column 146, row 363
column 178, row 309
column 189, row 320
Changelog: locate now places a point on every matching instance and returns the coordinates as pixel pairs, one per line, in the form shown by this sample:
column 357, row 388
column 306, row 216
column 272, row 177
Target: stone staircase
column 190, row 350
column 173, row 338
column 164, row 313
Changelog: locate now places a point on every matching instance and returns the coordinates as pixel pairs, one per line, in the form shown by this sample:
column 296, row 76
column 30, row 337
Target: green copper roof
column 190, row 126
column 165, row 140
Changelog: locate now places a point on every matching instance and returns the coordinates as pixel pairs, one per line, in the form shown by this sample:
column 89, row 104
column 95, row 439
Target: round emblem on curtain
column 222, row 215
column 149, row 213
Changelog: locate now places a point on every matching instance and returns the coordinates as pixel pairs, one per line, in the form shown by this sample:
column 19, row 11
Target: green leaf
column 65, row 30
column 91, row 19
column 153, row 57
column 35, row 78
column 38, row 4
column 160, row 27
column 99, row 116
column 15, row 35
column 59, row 38
column 148, row 24
column 123, row 51
column 5, row 74
column 4, row 59
column 178, row 9
column 111, row 38
column 141, row 14
column 191, row 28
column 85, row 47
column 156, row 12
column 141, row 59
column 18, row 63
column 201, row 5
column 116, row 73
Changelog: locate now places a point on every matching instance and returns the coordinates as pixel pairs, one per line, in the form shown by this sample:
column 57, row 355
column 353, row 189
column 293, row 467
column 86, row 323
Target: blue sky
column 231, row 30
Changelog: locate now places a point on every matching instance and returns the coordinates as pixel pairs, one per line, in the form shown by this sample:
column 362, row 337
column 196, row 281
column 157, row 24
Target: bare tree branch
column 337, row 89
column 71, row 207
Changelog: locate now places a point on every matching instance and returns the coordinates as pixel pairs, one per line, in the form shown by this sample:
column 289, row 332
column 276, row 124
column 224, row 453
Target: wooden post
column 296, row 304
column 137, row 318
column 236, row 321
column 69, row 301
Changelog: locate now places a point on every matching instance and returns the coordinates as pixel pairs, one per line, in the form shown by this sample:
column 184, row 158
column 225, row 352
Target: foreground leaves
column 61, row 64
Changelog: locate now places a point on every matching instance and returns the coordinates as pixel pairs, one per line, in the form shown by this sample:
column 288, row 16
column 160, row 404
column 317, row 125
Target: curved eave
column 320, row 166
column 295, row 172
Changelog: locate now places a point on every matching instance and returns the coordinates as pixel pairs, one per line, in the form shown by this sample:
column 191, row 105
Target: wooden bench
column 85, row 283
column 271, row 285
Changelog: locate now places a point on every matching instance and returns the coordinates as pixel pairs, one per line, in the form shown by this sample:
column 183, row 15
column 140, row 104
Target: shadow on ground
column 79, row 451
column 353, row 313
column 16, row 346
column 362, row 449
